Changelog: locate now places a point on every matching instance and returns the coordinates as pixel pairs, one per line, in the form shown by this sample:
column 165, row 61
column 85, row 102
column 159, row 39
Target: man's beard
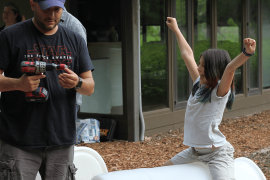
column 44, row 27
column 39, row 22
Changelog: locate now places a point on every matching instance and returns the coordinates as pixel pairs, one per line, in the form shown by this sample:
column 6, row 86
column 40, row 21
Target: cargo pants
column 53, row 163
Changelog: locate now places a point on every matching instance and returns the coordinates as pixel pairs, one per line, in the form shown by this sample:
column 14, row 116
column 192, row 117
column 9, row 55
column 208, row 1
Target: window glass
column 182, row 72
column 102, row 20
column 266, row 43
column 202, row 27
column 153, row 33
column 229, row 33
column 153, row 55
column 253, row 33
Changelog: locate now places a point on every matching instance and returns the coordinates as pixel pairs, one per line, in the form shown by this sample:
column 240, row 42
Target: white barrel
column 245, row 169
column 88, row 162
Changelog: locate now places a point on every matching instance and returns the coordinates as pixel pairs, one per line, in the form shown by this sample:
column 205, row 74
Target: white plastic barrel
column 88, row 162
column 245, row 169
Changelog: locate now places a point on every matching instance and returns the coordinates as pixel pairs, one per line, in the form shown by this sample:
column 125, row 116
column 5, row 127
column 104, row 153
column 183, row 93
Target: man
column 71, row 22
column 40, row 136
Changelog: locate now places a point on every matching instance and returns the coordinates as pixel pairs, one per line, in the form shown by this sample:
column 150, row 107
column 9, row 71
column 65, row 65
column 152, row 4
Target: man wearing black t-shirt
column 40, row 136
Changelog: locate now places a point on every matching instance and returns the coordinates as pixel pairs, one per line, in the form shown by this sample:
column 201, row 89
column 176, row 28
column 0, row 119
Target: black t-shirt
column 1, row 28
column 40, row 124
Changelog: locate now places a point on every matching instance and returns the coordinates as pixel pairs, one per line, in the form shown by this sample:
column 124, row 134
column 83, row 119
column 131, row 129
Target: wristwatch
column 79, row 85
column 249, row 55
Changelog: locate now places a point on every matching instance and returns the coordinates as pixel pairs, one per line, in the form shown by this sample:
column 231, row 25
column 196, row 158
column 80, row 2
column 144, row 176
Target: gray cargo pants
column 53, row 163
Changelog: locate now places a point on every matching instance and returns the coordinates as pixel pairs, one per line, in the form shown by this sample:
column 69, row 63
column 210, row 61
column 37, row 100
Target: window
column 102, row 20
column 182, row 72
column 266, row 43
column 253, row 80
column 229, row 34
column 153, row 34
column 153, row 55
column 202, row 27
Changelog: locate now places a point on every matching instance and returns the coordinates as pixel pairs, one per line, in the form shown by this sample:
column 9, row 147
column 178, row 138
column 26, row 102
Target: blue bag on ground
column 87, row 131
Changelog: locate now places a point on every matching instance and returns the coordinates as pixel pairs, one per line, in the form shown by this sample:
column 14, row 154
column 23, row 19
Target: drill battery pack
column 39, row 95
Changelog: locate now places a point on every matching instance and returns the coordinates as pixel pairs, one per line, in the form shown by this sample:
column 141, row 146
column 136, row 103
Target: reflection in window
column 153, row 33
column 153, row 55
column 182, row 72
column 101, row 20
column 266, row 43
column 229, row 33
column 202, row 27
column 253, row 33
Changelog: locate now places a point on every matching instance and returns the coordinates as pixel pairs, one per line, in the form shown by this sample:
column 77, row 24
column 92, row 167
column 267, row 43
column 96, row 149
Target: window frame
column 255, row 91
column 190, row 40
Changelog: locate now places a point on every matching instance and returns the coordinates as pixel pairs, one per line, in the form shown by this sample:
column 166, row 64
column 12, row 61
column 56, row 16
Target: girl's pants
column 219, row 160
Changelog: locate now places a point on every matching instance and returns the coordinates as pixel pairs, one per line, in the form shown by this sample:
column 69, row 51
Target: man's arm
column 88, row 83
column 24, row 83
column 70, row 79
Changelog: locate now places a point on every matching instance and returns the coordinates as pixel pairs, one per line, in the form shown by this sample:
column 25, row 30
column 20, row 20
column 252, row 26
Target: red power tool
column 35, row 68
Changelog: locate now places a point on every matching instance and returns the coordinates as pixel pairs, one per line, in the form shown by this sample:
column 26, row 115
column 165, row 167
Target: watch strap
column 249, row 55
column 79, row 85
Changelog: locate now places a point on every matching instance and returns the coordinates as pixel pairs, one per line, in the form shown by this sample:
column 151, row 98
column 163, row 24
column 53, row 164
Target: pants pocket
column 6, row 169
column 71, row 172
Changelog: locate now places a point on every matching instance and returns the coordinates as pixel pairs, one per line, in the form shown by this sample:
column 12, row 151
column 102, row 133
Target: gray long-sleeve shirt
column 71, row 22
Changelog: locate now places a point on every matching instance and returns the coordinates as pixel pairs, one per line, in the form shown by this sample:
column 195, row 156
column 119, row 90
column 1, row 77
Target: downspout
column 142, row 124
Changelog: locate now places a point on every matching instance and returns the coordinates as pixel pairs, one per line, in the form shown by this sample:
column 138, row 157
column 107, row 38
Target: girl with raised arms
column 213, row 90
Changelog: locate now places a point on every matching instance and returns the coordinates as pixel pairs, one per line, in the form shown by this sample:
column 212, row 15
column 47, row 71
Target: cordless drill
column 36, row 68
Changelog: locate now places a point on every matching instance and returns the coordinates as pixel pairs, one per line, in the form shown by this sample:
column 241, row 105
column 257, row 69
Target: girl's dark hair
column 15, row 9
column 215, row 62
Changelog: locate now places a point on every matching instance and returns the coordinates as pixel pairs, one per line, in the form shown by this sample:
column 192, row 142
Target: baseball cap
column 45, row 4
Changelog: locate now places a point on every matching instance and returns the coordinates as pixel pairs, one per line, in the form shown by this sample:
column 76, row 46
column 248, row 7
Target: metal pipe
column 142, row 123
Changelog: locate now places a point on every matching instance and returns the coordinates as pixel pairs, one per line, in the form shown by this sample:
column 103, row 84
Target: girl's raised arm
column 226, row 80
column 186, row 51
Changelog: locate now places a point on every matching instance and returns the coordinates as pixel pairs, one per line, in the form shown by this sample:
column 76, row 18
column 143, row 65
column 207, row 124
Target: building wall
column 167, row 116
column 253, row 94
column 167, row 120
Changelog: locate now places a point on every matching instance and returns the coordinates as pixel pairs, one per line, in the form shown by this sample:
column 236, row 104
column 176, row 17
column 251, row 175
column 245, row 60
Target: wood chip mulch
column 250, row 136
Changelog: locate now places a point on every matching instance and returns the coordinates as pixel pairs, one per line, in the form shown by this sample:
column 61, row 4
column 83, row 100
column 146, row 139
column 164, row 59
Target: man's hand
column 29, row 83
column 250, row 45
column 69, row 79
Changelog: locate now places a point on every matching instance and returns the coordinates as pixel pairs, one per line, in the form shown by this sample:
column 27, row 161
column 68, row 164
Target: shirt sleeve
column 85, row 63
column 197, row 80
column 82, row 31
column 219, row 97
column 74, row 24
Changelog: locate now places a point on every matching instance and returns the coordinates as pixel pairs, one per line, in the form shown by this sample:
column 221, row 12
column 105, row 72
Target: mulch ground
column 250, row 136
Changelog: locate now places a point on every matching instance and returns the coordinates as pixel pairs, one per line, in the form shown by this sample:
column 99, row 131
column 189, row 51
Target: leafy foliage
column 154, row 72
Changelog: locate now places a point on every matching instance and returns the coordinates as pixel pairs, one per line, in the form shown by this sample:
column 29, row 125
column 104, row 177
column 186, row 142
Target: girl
column 212, row 91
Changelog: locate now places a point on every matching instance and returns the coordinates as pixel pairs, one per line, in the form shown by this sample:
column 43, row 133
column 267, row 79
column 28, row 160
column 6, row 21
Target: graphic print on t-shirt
column 50, row 54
